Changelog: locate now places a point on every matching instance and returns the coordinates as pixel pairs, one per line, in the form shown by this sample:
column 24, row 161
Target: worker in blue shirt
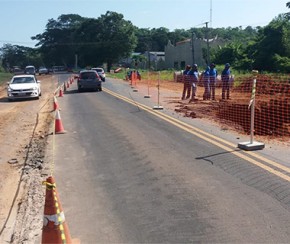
column 205, row 80
column 186, row 83
column 212, row 80
column 226, row 74
column 193, row 74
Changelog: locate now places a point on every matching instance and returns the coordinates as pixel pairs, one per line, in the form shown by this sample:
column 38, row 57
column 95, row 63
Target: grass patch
column 152, row 75
column 5, row 77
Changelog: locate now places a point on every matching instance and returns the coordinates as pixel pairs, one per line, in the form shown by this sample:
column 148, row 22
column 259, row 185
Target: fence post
column 252, row 145
column 158, row 107
column 148, row 95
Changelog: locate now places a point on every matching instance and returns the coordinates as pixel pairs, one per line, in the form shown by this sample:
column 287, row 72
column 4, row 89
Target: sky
column 22, row 19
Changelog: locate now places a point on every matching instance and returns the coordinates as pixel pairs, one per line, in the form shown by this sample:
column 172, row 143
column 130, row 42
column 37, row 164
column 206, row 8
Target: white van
column 30, row 70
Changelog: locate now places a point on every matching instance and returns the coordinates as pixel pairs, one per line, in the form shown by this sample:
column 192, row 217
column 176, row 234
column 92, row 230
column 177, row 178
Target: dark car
column 89, row 80
column 43, row 71
column 17, row 71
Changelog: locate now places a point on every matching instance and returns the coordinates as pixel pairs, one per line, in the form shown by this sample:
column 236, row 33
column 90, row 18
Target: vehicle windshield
column 99, row 70
column 30, row 69
column 88, row 75
column 22, row 80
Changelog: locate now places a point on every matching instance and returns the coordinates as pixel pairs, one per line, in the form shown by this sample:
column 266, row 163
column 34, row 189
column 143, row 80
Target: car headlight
column 35, row 88
column 9, row 89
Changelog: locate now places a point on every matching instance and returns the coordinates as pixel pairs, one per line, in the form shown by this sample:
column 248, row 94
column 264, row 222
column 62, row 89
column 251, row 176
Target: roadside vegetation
column 4, row 76
column 109, row 38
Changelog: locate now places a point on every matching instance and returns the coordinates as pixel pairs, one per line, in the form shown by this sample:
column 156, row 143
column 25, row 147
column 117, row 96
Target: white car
column 23, row 86
column 30, row 70
column 101, row 73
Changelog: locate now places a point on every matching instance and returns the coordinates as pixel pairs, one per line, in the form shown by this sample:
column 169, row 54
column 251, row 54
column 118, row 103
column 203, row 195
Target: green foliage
column 5, row 77
column 281, row 64
column 14, row 55
column 272, row 40
column 57, row 41
column 287, row 15
column 230, row 53
column 94, row 41
column 269, row 51
column 116, row 36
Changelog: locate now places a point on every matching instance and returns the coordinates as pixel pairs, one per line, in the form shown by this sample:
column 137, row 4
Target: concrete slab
column 248, row 146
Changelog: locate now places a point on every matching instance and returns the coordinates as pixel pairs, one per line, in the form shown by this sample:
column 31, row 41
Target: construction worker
column 226, row 74
column 212, row 80
column 193, row 74
column 206, row 80
column 186, row 83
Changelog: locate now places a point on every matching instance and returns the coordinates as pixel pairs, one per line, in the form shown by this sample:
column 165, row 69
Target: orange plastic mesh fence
column 272, row 104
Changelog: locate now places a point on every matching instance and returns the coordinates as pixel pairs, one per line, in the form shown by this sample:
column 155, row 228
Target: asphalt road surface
column 127, row 174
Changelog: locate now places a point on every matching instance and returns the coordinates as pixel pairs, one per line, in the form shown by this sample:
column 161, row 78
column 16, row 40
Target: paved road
column 127, row 174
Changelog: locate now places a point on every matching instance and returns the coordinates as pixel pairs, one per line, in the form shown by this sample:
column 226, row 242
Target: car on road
column 30, row 70
column 23, row 86
column 17, row 70
column 101, row 73
column 43, row 71
column 89, row 80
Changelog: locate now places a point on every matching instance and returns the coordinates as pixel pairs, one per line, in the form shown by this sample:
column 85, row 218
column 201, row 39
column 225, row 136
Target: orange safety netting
column 272, row 104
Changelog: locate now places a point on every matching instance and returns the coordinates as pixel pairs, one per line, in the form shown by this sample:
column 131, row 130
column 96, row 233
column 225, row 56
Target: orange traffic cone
column 60, row 92
column 67, row 86
column 55, row 229
column 58, row 124
column 55, row 104
column 71, row 80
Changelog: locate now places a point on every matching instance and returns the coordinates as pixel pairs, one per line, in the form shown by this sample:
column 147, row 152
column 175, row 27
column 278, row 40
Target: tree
column 179, row 35
column 88, row 43
column 14, row 55
column 272, row 40
column 116, row 38
column 230, row 53
column 144, row 41
column 159, row 38
column 57, row 41
column 288, row 14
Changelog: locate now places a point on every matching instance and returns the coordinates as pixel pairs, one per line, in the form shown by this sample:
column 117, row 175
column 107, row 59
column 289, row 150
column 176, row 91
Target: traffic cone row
column 55, row 229
column 58, row 124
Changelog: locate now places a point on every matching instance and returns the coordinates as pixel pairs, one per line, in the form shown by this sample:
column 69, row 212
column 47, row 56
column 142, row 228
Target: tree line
column 107, row 39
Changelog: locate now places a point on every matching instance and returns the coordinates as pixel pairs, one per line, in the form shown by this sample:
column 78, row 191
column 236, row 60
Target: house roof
column 184, row 41
column 157, row 53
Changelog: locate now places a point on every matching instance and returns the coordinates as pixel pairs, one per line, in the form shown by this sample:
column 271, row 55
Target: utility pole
column 210, row 15
column 207, row 44
column 192, row 47
column 149, row 61
column 76, row 61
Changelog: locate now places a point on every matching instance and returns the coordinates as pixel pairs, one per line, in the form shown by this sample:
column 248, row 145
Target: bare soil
column 24, row 127
column 272, row 108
